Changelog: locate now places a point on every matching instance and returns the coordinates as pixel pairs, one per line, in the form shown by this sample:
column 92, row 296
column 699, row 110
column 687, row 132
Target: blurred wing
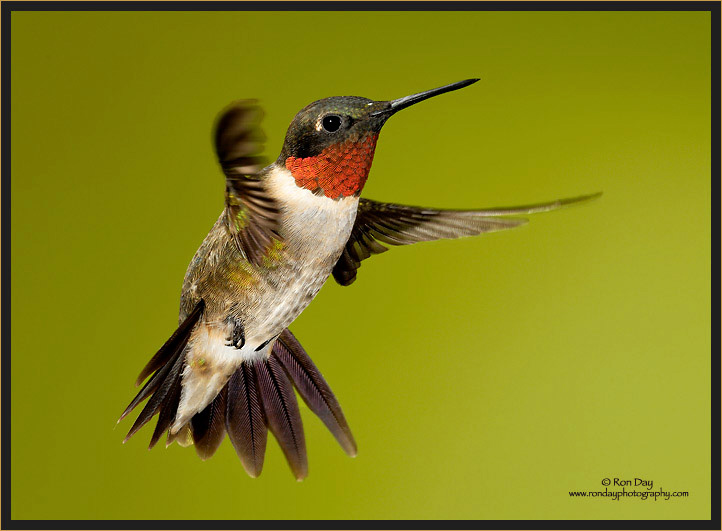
column 251, row 216
column 378, row 223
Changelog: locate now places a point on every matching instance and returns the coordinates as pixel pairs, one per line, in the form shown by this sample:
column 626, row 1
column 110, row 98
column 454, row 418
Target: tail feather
column 164, row 385
column 208, row 427
column 313, row 389
column 258, row 396
column 169, row 374
column 176, row 343
column 282, row 413
column 245, row 423
column 169, row 407
column 150, row 387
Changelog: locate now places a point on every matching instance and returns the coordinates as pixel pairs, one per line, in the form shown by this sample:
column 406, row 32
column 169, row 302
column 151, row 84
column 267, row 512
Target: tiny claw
column 238, row 336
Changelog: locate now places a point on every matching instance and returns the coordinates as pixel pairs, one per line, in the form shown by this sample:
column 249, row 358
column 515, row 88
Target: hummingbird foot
column 238, row 336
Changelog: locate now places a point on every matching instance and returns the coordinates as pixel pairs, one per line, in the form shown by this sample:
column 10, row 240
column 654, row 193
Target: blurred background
column 483, row 378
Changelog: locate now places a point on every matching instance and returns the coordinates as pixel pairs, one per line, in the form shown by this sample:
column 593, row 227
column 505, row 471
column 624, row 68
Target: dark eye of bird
column 331, row 123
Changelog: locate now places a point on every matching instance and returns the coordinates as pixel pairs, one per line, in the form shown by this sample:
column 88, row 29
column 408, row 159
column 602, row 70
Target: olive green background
column 483, row 378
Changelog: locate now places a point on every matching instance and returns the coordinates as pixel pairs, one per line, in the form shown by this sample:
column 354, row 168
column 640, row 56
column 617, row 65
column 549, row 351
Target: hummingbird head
column 330, row 143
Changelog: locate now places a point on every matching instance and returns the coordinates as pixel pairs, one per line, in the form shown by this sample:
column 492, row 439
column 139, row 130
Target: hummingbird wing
column 392, row 224
column 251, row 215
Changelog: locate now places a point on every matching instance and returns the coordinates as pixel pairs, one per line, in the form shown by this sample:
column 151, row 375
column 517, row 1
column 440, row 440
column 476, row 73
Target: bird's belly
column 267, row 298
column 295, row 288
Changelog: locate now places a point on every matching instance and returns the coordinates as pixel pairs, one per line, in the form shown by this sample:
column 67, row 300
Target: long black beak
column 407, row 101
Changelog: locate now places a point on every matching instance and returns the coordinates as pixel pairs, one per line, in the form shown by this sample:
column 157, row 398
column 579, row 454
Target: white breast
column 315, row 230
column 310, row 220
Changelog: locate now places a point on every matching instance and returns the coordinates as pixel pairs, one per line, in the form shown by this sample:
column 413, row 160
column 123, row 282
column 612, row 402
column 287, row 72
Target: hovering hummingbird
column 232, row 364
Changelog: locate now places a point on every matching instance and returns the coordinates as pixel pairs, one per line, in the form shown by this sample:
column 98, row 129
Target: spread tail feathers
column 165, row 384
column 313, row 389
column 258, row 396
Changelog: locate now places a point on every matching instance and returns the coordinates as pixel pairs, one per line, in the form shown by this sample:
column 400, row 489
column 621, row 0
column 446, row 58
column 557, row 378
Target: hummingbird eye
column 331, row 123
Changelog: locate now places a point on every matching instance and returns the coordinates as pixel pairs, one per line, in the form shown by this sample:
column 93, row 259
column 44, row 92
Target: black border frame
column 7, row 8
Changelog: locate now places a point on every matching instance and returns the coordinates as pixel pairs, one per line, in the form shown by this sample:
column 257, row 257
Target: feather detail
column 168, row 409
column 208, row 427
column 175, row 343
column 251, row 214
column 403, row 225
column 165, row 384
column 313, row 389
column 282, row 413
column 245, row 424
column 167, row 376
column 162, row 361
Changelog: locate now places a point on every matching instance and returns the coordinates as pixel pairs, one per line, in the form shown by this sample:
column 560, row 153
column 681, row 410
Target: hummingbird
column 232, row 364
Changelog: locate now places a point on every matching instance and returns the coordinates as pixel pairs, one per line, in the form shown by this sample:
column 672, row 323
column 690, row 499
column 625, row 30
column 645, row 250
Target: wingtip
column 570, row 201
column 582, row 198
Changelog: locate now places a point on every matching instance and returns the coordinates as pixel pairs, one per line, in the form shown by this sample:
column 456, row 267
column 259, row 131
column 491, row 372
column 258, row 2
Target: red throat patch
column 338, row 171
